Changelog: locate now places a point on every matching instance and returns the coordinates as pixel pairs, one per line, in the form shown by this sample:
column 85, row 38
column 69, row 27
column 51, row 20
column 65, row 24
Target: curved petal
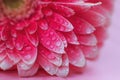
column 50, row 39
column 59, row 23
column 63, row 70
column 29, row 71
column 97, row 21
column 50, row 56
column 32, row 28
column 89, row 40
column 47, row 66
column 63, row 10
column 33, row 38
column 90, row 52
column 13, row 56
column 6, row 64
column 29, row 52
column 76, row 56
column 62, row 37
column 81, row 26
column 71, row 38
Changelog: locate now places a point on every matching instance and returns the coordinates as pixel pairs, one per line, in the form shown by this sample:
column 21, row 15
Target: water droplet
column 48, row 42
column 58, row 43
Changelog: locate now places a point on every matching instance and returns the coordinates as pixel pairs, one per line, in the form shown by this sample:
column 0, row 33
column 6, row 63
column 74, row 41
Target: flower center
column 16, row 9
column 13, row 3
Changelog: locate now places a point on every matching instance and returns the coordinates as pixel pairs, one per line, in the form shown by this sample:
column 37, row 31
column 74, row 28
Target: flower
column 55, row 35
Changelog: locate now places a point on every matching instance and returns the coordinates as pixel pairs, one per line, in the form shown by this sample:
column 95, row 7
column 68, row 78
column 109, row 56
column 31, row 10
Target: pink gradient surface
column 105, row 68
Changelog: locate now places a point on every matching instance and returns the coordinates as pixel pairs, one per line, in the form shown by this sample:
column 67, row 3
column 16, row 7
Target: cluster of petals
column 54, row 35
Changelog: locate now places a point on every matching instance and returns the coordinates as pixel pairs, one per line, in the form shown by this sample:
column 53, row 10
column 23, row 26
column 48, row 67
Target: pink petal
column 2, row 55
column 89, row 40
column 2, row 46
column 19, row 42
column 6, row 64
column 50, row 56
column 29, row 53
column 98, row 20
column 32, row 28
column 76, row 56
column 71, row 37
column 10, row 43
column 60, row 23
column 62, row 38
column 4, row 33
column 63, row 70
column 81, row 26
column 101, row 34
column 90, row 52
column 33, row 38
column 50, row 39
column 13, row 56
column 27, row 72
column 47, row 66
column 63, row 10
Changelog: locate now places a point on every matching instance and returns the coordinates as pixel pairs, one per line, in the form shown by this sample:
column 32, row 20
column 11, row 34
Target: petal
column 89, row 40
column 64, row 69
column 62, row 37
column 76, row 56
column 29, row 53
column 101, row 34
column 71, row 38
column 29, row 72
column 47, row 66
column 2, row 55
column 51, row 40
column 50, row 56
column 13, row 56
column 19, row 42
column 6, row 64
column 32, row 28
column 98, row 20
column 59, row 23
column 81, row 26
column 33, row 38
column 63, row 10
column 90, row 52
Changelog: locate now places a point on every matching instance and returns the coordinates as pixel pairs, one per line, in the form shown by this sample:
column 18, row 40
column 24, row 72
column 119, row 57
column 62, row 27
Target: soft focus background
column 107, row 67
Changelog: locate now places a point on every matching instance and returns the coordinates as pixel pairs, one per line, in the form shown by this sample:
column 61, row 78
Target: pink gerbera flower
column 51, row 34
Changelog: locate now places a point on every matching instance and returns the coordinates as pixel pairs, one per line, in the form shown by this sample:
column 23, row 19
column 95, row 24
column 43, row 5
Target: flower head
column 51, row 34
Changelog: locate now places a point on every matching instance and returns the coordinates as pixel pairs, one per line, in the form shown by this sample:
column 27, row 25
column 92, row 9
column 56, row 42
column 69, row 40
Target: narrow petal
column 19, row 42
column 13, row 56
column 63, row 70
column 33, row 38
column 50, row 39
column 76, row 56
column 47, row 66
column 27, row 72
column 2, row 55
column 63, row 10
column 32, row 28
column 90, row 52
column 81, row 26
column 50, row 56
column 29, row 53
column 89, row 40
column 98, row 20
column 71, row 38
column 62, row 37
column 60, row 23
column 6, row 64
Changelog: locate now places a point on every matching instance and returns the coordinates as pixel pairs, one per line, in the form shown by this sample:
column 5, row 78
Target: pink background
column 107, row 67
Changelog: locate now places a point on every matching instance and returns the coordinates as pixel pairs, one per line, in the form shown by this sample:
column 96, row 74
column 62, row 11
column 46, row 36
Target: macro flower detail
column 55, row 35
